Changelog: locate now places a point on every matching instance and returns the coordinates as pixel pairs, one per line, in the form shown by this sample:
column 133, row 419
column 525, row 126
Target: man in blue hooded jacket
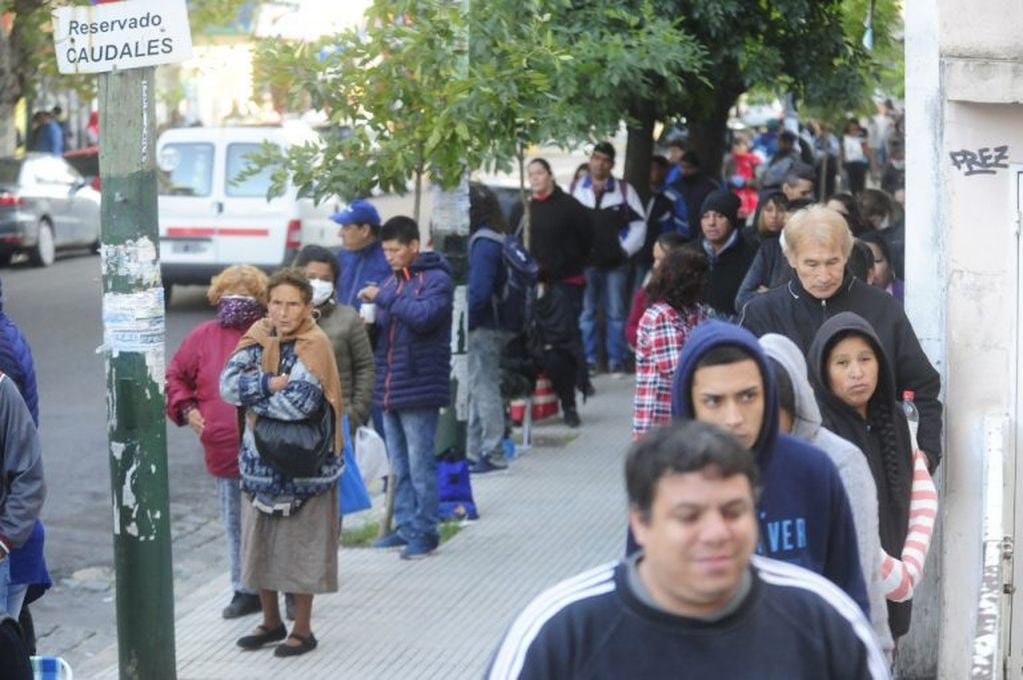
column 413, row 367
column 723, row 378
column 361, row 262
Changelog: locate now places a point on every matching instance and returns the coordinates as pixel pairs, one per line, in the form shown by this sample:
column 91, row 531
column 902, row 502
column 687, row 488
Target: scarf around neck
column 314, row 351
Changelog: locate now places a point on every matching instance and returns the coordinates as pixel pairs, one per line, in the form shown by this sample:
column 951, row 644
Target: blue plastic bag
column 454, row 490
column 352, row 495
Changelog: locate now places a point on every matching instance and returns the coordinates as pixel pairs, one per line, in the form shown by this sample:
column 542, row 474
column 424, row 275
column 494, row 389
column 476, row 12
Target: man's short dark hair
column 691, row 158
column 660, row 161
column 605, row 148
column 786, row 393
column 800, row 171
column 722, row 355
column 787, row 136
column 677, row 142
column 315, row 253
column 681, row 447
column 671, row 240
column 402, row 229
column 797, row 204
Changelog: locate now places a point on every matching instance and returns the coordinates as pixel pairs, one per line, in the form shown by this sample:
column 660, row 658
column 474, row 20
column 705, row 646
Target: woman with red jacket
column 193, row 399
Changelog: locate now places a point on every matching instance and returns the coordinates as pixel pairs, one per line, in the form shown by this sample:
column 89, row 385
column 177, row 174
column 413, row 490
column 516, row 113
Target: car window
column 185, row 169
column 9, row 169
column 255, row 186
column 53, row 171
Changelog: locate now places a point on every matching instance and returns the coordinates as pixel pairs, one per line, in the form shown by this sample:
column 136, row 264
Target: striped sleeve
column 791, row 576
column 517, row 646
column 901, row 576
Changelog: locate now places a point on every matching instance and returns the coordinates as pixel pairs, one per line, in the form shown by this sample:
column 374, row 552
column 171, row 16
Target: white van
column 208, row 221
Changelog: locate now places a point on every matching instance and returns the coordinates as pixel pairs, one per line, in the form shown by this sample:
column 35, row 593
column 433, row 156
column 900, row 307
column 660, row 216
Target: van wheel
column 168, row 289
column 45, row 250
column 95, row 246
column 5, row 259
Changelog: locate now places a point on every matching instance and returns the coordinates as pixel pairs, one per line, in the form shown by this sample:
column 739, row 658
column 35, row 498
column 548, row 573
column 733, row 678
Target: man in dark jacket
column 695, row 602
column 692, row 184
column 729, row 254
column 361, row 262
column 619, row 228
column 487, row 338
column 413, row 366
column 818, row 244
column 16, row 361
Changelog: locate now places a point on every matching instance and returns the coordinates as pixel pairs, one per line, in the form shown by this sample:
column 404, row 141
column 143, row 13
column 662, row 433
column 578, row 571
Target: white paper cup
column 368, row 312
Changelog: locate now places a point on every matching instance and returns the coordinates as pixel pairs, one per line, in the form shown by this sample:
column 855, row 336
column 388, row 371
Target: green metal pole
column 133, row 336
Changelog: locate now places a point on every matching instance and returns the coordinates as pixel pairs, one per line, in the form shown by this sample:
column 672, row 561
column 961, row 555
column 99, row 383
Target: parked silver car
column 45, row 205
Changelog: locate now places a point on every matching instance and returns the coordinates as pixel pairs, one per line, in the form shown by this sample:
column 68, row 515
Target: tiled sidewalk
column 557, row 511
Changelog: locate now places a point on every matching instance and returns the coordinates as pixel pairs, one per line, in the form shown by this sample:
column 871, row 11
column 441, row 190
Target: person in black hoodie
column 854, row 384
column 817, row 245
column 729, row 254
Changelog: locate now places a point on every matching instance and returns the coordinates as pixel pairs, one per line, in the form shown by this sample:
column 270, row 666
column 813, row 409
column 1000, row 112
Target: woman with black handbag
column 284, row 376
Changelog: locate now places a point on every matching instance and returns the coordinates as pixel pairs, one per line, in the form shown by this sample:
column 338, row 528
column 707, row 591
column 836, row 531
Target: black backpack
column 513, row 304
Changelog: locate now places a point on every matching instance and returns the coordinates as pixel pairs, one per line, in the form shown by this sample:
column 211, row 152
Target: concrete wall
column 964, row 80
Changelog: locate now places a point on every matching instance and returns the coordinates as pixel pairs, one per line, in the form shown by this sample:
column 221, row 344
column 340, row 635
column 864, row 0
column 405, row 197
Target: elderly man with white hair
column 817, row 243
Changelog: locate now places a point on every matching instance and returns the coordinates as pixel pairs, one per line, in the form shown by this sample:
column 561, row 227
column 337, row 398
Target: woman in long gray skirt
column 284, row 369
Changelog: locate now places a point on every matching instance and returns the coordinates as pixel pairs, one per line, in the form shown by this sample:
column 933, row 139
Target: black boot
column 572, row 417
column 242, row 604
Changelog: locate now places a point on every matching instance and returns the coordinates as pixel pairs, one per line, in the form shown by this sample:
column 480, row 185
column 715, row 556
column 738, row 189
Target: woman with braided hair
column 853, row 381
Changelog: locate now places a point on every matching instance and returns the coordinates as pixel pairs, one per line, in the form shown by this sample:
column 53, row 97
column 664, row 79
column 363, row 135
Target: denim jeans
column 11, row 596
column 410, row 435
column 486, row 407
column 605, row 287
column 229, row 491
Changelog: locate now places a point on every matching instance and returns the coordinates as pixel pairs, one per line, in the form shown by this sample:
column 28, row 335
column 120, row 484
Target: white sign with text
column 121, row 35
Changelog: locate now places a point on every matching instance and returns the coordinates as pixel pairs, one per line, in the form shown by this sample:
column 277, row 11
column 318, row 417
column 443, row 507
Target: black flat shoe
column 259, row 639
column 308, row 644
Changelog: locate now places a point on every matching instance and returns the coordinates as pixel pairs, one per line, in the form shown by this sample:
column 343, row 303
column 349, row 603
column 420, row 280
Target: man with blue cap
column 362, row 261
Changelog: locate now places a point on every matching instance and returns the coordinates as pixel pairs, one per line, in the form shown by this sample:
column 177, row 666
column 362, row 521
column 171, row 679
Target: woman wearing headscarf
column 284, row 370
column 193, row 399
column 853, row 380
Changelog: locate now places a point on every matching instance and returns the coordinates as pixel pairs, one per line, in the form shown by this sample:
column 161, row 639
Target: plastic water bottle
column 912, row 415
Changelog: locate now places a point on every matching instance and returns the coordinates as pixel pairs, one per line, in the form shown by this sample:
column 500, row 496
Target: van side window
column 186, row 169
column 255, row 186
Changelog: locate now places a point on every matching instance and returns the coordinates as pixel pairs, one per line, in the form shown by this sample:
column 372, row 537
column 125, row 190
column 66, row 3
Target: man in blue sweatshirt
column 723, row 378
column 362, row 262
column 695, row 602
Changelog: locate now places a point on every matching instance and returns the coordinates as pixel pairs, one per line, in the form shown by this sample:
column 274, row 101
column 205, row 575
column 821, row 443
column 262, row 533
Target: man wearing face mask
column 346, row 331
column 193, row 399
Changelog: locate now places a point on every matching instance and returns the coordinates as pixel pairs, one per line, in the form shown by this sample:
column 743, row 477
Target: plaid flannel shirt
column 662, row 333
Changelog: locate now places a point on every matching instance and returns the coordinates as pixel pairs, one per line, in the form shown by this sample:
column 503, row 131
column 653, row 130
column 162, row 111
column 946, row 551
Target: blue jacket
column 359, row 268
column 16, row 361
column 803, row 510
column 413, row 352
column 487, row 275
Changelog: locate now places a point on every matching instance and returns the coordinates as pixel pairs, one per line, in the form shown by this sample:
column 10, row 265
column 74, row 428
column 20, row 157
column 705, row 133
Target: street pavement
column 560, row 509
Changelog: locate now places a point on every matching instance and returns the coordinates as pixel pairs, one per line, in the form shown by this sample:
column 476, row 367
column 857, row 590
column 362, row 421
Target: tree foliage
column 537, row 72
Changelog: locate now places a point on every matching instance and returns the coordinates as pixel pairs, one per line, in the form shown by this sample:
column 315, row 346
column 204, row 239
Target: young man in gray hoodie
column 800, row 417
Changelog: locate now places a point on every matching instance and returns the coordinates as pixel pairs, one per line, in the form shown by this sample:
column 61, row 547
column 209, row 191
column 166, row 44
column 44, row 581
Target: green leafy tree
column 813, row 49
column 538, row 72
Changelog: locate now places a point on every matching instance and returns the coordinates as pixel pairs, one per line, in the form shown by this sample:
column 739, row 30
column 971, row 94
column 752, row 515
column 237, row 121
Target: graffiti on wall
column 983, row 161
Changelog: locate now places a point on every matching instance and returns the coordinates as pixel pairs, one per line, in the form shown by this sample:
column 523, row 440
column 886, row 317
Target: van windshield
column 255, row 186
column 185, row 169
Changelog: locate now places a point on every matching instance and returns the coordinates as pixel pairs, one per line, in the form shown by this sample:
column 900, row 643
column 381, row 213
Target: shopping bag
column 454, row 490
column 371, row 455
column 352, row 496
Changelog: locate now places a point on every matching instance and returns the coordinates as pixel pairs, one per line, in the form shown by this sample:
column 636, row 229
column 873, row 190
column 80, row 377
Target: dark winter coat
column 727, row 270
column 193, row 380
column 487, row 275
column 769, row 268
column 560, row 234
column 413, row 352
column 794, row 313
column 354, row 356
column 883, row 438
column 16, row 362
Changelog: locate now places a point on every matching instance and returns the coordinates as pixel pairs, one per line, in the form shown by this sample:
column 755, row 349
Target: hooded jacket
column 892, row 468
column 803, row 510
column 358, row 269
column 413, row 352
column 852, row 468
column 16, row 361
column 794, row 313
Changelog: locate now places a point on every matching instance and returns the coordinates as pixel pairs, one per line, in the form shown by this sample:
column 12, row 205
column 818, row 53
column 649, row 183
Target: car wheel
column 45, row 250
column 5, row 259
column 95, row 246
column 168, row 288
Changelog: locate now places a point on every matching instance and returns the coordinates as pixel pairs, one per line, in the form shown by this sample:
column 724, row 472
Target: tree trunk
column 8, row 132
column 640, row 149
column 708, row 134
column 520, row 156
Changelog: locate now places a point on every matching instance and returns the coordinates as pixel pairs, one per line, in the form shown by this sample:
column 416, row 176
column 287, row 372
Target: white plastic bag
column 371, row 455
